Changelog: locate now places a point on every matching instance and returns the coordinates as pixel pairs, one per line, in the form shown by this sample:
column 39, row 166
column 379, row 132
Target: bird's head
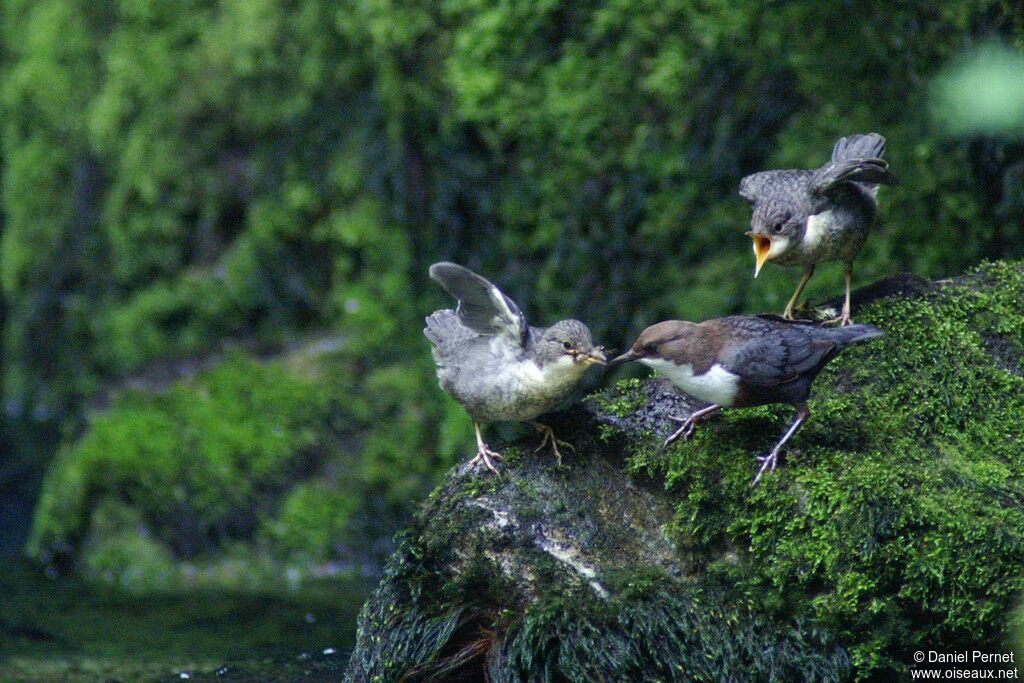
column 652, row 342
column 569, row 340
column 774, row 230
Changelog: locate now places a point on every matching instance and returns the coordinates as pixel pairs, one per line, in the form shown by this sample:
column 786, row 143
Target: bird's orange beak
column 762, row 247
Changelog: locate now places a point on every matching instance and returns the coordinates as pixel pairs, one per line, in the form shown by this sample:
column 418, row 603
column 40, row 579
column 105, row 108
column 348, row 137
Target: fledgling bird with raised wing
column 743, row 361
column 804, row 217
column 498, row 367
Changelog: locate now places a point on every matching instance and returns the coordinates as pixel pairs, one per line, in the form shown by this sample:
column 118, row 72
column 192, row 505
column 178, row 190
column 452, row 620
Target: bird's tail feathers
column 854, row 334
column 861, row 146
column 444, row 327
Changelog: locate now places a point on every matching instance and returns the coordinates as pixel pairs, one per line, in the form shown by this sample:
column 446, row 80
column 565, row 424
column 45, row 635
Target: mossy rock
column 897, row 523
column 245, row 470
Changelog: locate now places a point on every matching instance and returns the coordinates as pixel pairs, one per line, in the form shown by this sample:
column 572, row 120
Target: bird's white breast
column 717, row 385
column 817, row 230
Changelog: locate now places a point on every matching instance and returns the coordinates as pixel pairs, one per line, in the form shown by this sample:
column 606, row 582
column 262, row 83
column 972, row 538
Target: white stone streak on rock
column 561, row 551
column 567, row 555
column 502, row 518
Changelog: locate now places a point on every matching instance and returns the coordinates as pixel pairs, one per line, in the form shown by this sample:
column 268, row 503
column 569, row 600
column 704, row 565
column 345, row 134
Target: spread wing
column 835, row 173
column 768, row 352
column 482, row 307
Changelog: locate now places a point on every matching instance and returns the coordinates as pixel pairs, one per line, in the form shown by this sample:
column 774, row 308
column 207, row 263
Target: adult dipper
column 803, row 217
column 498, row 367
column 743, row 361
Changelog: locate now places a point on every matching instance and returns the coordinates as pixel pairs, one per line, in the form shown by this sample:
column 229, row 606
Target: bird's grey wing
column 784, row 186
column 767, row 352
column 482, row 307
column 855, row 159
column 835, row 173
column 752, row 187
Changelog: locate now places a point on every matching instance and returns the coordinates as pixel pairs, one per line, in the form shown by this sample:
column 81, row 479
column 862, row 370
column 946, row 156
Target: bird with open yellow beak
column 804, row 217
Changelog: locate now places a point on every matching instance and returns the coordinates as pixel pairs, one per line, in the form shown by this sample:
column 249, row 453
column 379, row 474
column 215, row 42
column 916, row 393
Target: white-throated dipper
column 803, row 217
column 498, row 367
column 743, row 361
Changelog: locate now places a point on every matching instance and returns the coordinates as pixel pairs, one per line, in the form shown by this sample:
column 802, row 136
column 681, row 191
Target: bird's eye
column 650, row 348
column 567, row 346
column 777, row 228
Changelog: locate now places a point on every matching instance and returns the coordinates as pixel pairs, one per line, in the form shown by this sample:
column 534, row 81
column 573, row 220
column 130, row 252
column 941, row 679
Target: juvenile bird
column 801, row 218
column 743, row 361
column 497, row 366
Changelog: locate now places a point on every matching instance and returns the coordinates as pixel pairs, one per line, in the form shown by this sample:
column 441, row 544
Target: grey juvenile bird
column 743, row 361
column 801, row 218
column 499, row 368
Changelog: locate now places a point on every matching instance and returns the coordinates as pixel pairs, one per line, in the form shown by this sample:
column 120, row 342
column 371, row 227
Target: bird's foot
column 548, row 436
column 486, row 456
column 685, row 431
column 768, row 462
column 843, row 320
column 797, row 311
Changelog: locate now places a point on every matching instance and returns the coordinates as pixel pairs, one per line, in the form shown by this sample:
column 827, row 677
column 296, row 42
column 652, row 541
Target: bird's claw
column 842, row 320
column 768, row 464
column 549, row 437
column 685, row 431
column 487, row 457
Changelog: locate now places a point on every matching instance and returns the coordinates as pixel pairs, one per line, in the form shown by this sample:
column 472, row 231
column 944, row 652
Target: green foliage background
column 181, row 178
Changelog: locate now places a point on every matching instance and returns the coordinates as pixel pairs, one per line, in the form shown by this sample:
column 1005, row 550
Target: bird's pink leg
column 549, row 437
column 483, row 453
column 771, row 460
column 690, row 423
column 844, row 318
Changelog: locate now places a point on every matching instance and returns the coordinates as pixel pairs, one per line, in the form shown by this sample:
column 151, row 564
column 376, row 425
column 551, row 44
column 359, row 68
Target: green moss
column 623, row 398
column 898, row 521
column 199, row 464
column 667, row 631
column 314, row 517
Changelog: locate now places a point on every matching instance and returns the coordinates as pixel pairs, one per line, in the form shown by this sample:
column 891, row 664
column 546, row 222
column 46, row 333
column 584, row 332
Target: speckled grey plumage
column 841, row 196
column 497, row 366
column 804, row 217
column 496, row 377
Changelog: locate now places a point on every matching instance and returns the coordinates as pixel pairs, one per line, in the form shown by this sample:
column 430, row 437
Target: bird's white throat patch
column 717, row 385
column 780, row 245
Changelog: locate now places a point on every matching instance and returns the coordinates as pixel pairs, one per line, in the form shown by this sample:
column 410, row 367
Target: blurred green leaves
column 982, row 93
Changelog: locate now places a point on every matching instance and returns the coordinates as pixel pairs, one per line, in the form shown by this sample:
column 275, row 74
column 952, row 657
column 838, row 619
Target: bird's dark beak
column 624, row 358
column 762, row 247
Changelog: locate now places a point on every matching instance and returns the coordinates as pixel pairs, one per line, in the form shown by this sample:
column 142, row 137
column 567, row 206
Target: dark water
column 67, row 630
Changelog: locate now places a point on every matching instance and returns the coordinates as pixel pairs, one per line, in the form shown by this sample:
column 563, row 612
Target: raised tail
column 861, row 146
